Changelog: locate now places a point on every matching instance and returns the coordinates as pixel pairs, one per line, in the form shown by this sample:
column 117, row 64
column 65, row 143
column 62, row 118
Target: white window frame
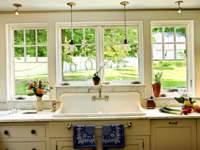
column 189, row 24
column 99, row 45
column 10, row 56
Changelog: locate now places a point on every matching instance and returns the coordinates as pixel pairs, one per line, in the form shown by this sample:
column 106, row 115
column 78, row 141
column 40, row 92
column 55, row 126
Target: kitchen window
column 121, row 62
column 99, row 47
column 171, row 55
column 29, row 61
column 80, row 63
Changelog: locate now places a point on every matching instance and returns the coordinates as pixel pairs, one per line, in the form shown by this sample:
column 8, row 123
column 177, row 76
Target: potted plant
column 96, row 79
column 157, row 84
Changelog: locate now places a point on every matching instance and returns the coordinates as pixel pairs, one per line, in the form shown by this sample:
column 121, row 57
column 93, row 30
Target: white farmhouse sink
column 82, row 105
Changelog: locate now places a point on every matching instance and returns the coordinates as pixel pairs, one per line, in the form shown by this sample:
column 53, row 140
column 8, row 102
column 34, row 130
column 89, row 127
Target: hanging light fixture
column 17, row 5
column 179, row 6
column 71, row 43
column 125, row 42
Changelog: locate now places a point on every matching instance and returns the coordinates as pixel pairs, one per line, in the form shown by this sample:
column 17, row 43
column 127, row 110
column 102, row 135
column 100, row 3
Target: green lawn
column 173, row 77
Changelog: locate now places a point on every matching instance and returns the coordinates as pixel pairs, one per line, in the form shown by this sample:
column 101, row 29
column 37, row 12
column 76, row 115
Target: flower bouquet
column 38, row 88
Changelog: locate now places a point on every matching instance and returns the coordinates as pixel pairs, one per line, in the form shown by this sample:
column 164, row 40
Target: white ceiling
column 45, row 5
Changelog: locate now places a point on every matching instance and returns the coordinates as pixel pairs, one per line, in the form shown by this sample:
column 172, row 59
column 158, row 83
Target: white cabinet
column 22, row 146
column 22, row 136
column 133, row 143
column 173, row 134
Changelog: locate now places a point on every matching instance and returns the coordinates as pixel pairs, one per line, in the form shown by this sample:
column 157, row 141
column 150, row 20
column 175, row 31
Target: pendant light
column 71, row 43
column 125, row 42
column 179, row 11
column 17, row 5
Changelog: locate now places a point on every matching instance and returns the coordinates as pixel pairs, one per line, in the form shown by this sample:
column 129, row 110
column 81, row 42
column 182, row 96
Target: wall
column 83, row 16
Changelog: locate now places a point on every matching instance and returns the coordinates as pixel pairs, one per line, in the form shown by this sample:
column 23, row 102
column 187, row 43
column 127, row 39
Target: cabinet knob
column 33, row 148
column 6, row 132
column 6, row 148
column 33, row 131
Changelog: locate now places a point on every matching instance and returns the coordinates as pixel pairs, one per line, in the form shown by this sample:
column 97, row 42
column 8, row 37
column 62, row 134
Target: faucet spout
column 100, row 97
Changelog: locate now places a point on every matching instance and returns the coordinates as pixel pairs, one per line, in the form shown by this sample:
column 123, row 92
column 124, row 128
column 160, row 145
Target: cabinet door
column 132, row 144
column 198, row 134
column 22, row 146
column 173, row 135
column 63, row 145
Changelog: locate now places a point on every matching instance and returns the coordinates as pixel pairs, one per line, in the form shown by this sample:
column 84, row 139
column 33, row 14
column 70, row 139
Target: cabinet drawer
column 173, row 123
column 139, row 127
column 23, row 146
column 22, row 131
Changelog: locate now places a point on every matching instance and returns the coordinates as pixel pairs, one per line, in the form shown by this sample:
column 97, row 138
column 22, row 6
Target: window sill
column 103, row 85
column 30, row 98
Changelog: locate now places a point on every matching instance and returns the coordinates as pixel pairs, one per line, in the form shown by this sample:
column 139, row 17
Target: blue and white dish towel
column 113, row 136
column 84, row 136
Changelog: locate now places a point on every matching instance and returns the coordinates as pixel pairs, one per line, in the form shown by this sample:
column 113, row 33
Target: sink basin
column 84, row 105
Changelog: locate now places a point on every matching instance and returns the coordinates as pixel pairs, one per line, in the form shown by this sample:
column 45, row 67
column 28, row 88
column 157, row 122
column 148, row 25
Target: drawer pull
column 6, row 132
column 33, row 131
column 173, row 122
column 33, row 148
column 6, row 148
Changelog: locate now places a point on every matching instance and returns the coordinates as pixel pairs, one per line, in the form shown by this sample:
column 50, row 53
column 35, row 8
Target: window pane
column 157, row 35
column 18, row 37
column 42, row 36
column 90, row 36
column 174, row 76
column 174, row 64
column 157, row 51
column 29, row 65
column 42, row 51
column 19, row 52
column 66, row 35
column 181, row 34
column 121, row 63
column 169, row 51
column 80, row 64
column 30, row 37
column 169, row 34
column 28, row 72
column 78, row 36
column 30, row 54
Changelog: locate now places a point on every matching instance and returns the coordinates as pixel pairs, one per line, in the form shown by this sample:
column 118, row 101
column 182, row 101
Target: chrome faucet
column 100, row 97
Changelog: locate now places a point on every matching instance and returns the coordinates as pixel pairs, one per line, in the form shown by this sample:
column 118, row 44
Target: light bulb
column 179, row 11
column 126, row 47
column 17, row 6
column 16, row 13
column 71, row 46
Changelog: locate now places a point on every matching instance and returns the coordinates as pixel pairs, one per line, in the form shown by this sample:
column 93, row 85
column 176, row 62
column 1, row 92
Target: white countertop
column 46, row 116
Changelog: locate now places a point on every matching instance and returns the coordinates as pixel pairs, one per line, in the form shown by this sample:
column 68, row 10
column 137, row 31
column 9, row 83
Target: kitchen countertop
column 47, row 116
